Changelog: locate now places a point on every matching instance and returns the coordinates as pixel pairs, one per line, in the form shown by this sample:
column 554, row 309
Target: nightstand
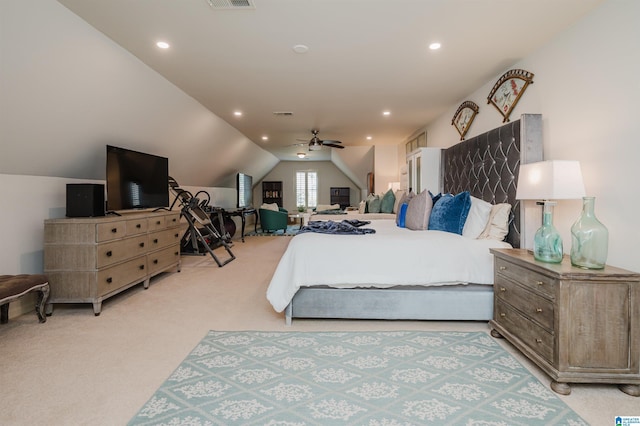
column 578, row 325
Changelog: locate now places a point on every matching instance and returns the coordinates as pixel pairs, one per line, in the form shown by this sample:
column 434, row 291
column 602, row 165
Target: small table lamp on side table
column 546, row 181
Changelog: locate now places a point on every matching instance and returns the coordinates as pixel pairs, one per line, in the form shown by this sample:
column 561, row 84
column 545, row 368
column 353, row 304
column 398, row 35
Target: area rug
column 352, row 378
column 291, row 231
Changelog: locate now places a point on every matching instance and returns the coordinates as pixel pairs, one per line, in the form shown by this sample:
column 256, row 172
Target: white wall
column 68, row 90
column 586, row 87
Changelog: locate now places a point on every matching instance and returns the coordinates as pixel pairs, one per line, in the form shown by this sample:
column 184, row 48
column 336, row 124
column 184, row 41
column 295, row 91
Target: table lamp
column 546, row 181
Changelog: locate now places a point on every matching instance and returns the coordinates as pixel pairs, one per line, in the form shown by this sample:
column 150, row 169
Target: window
column 307, row 189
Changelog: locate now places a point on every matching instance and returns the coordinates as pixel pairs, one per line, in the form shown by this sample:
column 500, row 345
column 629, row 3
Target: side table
column 243, row 213
column 578, row 325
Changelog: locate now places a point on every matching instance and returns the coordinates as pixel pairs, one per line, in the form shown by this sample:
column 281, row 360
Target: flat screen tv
column 244, row 186
column 136, row 180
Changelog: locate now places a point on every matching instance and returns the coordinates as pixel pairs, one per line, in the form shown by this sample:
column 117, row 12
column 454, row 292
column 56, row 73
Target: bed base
column 471, row 302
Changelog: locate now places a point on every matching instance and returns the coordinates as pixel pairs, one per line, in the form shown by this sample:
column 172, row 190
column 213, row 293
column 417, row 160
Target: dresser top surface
column 133, row 215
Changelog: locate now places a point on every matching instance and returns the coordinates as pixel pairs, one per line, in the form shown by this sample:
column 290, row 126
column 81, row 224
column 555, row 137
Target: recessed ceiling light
column 300, row 48
column 162, row 45
column 237, row 113
column 435, row 46
column 369, row 138
column 265, row 138
column 301, row 155
column 386, row 113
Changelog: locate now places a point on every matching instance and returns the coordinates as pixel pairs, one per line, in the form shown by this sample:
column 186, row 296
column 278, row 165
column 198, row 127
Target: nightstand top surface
column 563, row 270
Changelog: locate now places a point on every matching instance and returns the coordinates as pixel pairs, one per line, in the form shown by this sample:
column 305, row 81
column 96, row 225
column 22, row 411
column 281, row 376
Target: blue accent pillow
column 402, row 215
column 450, row 213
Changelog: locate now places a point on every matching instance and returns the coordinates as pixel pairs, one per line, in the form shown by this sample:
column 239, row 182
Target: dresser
column 88, row 260
column 579, row 326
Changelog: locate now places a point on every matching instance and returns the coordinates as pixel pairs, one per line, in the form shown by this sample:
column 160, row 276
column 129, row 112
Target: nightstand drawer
column 531, row 334
column 532, row 280
column 530, row 304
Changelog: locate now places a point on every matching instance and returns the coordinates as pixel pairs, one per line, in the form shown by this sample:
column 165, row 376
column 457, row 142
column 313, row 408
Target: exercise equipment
column 201, row 236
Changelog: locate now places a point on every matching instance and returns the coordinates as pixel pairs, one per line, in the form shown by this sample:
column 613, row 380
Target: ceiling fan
column 315, row 144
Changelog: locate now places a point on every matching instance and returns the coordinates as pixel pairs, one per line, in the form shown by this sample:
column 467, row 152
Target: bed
column 401, row 274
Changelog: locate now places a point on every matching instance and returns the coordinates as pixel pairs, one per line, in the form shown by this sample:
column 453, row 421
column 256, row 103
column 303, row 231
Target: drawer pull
column 155, row 241
column 538, row 310
column 141, row 244
column 109, row 253
column 155, row 261
column 176, row 253
column 503, row 268
column 158, row 223
column 539, row 283
column 109, row 280
column 538, row 341
column 141, row 267
column 114, row 230
column 503, row 315
column 502, row 289
column 176, row 235
column 138, row 226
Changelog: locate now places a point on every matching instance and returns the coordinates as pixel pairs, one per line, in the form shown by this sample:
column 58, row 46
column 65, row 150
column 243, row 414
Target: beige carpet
column 78, row 369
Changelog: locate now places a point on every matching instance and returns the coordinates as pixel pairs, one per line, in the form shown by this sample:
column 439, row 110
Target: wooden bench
column 14, row 286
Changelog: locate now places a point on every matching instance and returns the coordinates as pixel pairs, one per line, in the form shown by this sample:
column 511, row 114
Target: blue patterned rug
column 352, row 378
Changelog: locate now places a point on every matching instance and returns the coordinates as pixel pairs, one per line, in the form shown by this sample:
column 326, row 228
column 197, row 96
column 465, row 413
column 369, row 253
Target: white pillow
column 362, row 207
column 477, row 218
column 399, row 194
column 272, row 206
column 323, row 207
column 498, row 224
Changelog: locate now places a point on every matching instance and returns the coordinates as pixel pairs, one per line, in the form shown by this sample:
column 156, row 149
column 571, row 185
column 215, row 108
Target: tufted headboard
column 487, row 166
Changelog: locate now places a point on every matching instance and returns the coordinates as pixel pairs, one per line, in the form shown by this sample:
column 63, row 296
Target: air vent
column 231, row 4
column 283, row 113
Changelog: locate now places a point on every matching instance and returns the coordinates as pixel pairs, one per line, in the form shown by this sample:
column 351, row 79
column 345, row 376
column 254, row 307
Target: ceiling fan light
column 315, row 147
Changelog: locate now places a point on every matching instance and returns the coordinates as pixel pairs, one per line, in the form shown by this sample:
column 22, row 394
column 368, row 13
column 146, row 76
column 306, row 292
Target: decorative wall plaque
column 464, row 116
column 508, row 89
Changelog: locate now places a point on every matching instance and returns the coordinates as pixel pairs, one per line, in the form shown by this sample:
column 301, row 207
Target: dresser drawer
column 157, row 223
column 532, row 280
column 530, row 304
column 113, row 278
column 117, row 251
column 531, row 334
column 161, row 259
column 164, row 238
column 110, row 231
column 137, row 226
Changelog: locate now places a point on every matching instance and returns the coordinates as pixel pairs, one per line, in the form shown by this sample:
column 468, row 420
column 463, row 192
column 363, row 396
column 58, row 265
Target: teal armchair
column 271, row 220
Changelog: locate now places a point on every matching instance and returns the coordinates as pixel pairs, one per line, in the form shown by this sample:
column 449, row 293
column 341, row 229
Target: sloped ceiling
column 363, row 57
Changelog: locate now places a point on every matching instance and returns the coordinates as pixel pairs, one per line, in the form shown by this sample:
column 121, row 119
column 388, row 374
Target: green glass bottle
column 589, row 238
column 547, row 243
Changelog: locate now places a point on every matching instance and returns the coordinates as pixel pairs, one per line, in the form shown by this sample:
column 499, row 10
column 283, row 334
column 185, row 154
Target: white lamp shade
column 550, row 180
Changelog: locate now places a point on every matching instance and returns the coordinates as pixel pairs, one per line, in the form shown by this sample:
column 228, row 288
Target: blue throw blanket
column 346, row 227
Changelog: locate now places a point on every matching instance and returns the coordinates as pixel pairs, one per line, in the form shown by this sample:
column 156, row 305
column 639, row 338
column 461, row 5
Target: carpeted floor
column 359, row 378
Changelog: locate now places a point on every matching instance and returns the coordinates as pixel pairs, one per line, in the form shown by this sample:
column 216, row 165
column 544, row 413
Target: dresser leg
column 495, row 334
column 561, row 388
column 633, row 390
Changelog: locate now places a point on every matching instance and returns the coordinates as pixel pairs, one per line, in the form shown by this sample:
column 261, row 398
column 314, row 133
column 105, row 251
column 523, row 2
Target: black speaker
column 85, row 199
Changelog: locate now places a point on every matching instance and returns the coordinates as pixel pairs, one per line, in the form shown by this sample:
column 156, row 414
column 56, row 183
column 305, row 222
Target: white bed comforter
column 390, row 257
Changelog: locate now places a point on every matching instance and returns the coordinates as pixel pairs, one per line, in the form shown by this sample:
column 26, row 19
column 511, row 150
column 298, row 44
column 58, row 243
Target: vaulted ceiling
column 334, row 65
